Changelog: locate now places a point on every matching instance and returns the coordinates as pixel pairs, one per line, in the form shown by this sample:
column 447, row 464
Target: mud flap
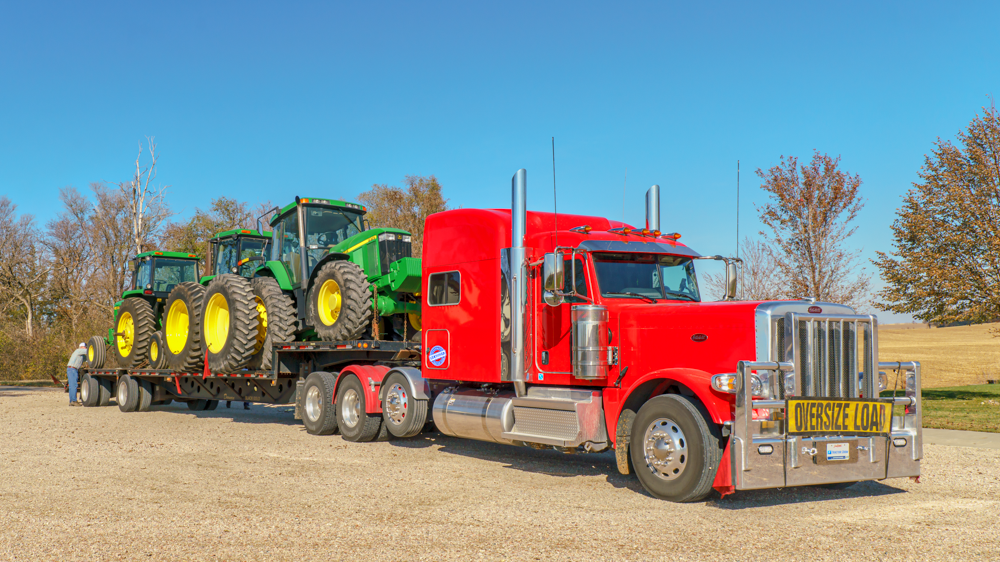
column 623, row 436
column 724, row 476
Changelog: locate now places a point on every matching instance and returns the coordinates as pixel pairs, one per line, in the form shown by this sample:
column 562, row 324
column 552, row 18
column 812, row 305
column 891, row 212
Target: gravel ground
column 170, row 484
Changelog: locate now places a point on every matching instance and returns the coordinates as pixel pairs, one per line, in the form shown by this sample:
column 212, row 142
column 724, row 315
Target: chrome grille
column 833, row 355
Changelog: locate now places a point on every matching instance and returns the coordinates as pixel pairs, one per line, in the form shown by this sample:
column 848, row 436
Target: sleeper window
column 444, row 288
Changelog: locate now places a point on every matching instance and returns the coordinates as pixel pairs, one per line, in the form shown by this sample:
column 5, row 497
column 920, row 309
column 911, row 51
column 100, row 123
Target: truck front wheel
column 675, row 449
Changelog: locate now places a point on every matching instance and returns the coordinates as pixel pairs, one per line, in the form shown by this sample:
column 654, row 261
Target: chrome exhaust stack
column 653, row 208
column 519, row 287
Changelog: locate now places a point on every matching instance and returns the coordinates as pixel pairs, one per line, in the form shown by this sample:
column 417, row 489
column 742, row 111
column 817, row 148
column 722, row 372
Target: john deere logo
column 699, row 337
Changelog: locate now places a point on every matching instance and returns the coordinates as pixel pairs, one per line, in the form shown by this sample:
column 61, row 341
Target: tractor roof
column 245, row 231
column 175, row 255
column 353, row 207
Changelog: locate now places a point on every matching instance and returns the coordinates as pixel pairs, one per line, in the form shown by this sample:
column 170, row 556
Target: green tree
column 405, row 208
column 945, row 265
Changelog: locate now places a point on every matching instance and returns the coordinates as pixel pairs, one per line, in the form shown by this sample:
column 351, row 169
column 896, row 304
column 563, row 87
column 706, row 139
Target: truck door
column 552, row 324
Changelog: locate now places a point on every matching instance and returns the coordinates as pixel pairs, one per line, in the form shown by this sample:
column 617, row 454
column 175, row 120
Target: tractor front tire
column 134, row 326
column 97, row 350
column 275, row 320
column 229, row 323
column 182, row 328
column 340, row 302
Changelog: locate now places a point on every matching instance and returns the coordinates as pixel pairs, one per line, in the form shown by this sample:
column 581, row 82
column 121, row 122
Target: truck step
column 559, row 417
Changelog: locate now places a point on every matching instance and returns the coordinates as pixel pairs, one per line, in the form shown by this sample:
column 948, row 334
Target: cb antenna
column 737, row 208
column 555, row 208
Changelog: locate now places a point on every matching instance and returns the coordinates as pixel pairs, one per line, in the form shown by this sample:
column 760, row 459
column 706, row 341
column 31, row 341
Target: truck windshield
column 646, row 276
column 167, row 273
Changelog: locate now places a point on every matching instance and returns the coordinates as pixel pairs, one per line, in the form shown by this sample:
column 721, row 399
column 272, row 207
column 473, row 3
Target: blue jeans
column 72, row 374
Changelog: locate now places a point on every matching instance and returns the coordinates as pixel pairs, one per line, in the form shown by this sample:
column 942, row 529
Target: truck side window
column 444, row 288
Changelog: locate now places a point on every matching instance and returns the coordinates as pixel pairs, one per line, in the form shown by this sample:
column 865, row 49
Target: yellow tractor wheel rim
column 261, row 324
column 329, row 302
column 414, row 320
column 154, row 351
column 178, row 321
column 90, row 353
column 216, row 322
column 126, row 333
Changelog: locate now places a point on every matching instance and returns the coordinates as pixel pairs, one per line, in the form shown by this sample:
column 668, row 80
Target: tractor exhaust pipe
column 653, row 208
column 519, row 292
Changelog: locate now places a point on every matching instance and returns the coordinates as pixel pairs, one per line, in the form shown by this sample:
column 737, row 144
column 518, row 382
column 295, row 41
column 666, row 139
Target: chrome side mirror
column 553, row 279
column 732, row 275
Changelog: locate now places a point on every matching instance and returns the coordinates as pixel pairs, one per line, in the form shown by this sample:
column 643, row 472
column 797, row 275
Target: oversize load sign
column 819, row 416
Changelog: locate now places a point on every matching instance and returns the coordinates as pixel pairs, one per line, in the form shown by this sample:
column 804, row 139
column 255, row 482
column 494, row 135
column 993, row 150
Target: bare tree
column 760, row 277
column 146, row 206
column 406, row 209
column 23, row 268
column 809, row 215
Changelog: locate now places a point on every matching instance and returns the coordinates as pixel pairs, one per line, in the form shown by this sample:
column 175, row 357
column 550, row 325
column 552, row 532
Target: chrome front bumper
column 763, row 455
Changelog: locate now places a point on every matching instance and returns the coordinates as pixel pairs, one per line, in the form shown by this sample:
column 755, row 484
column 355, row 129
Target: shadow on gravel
column 257, row 414
column 538, row 461
column 801, row 494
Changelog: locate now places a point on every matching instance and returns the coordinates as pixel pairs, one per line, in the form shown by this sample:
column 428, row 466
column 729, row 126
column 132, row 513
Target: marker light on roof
column 656, row 233
column 645, row 232
column 626, row 231
column 157, row 253
column 245, row 231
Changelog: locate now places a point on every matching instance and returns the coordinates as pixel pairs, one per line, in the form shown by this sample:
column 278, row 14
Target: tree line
column 59, row 281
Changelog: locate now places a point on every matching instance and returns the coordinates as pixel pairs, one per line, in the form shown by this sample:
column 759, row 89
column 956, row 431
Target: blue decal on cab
column 437, row 356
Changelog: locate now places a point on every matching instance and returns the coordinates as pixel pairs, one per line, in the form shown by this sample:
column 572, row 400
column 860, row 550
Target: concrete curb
column 956, row 438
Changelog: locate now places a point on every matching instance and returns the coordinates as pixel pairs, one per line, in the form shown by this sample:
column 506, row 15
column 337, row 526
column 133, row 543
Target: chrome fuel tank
column 474, row 414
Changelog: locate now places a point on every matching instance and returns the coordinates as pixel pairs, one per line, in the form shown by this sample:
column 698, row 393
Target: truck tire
column 134, row 325
column 104, row 391
column 354, row 423
column 145, row 395
column 275, row 317
column 96, row 352
column 319, row 414
column 182, row 328
column 340, row 302
column 197, row 405
column 127, row 394
column 210, row 405
column 229, row 323
column 157, row 351
column 402, row 414
column 675, row 448
column 90, row 391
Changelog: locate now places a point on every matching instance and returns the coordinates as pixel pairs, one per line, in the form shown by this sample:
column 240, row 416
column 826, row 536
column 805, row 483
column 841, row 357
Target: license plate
column 843, row 416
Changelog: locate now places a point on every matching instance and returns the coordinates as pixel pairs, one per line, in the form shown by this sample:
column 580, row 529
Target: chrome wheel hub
column 84, row 392
column 396, row 403
column 665, row 449
column 350, row 408
column 122, row 392
column 313, row 406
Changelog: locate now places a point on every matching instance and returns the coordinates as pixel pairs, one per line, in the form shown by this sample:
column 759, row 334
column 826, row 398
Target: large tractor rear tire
column 229, row 323
column 97, row 350
column 182, row 328
column 134, row 326
column 340, row 302
column 275, row 317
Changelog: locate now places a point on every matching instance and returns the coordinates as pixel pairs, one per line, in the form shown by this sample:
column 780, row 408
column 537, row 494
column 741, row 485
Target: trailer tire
column 675, row 448
column 355, row 424
column 157, row 351
column 145, row 395
column 97, row 349
column 402, row 414
column 182, row 327
column 134, row 325
column 229, row 323
column 105, row 389
column 210, row 405
column 90, row 391
column 275, row 320
column 196, row 405
column 319, row 414
column 127, row 394
column 340, row 301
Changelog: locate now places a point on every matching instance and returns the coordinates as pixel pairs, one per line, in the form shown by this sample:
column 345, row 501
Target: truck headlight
column 726, row 382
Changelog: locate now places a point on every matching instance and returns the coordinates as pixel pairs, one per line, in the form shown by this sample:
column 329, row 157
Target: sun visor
column 637, row 247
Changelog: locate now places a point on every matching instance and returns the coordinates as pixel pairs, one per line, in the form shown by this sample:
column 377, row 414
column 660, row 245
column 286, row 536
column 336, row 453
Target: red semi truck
column 583, row 334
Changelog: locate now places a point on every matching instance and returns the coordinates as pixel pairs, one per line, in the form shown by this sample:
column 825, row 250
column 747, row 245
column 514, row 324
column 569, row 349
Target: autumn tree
column 945, row 263
column 147, row 210
column 23, row 264
column 406, row 207
column 809, row 219
column 224, row 214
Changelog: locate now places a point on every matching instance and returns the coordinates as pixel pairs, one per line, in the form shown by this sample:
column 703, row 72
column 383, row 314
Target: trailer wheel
column 211, row 405
column 104, row 391
column 157, row 351
column 145, row 395
column 675, row 449
column 96, row 352
column 403, row 415
column 182, row 327
column 229, row 323
column 319, row 415
column 134, row 325
column 355, row 424
column 340, row 301
column 196, row 405
column 275, row 317
column 127, row 394
column 89, row 391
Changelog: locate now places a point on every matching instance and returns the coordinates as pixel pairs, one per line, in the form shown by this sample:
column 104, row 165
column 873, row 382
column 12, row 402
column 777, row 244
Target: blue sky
column 268, row 100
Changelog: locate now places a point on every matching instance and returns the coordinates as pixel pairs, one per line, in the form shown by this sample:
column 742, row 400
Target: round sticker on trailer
column 437, row 356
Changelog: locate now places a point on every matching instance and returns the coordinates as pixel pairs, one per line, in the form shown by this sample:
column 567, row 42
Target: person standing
column 73, row 371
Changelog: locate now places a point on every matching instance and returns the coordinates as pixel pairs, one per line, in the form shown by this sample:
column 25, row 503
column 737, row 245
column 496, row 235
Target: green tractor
column 325, row 274
column 136, row 339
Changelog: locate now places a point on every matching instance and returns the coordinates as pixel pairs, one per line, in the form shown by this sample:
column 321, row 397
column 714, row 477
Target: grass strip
column 969, row 408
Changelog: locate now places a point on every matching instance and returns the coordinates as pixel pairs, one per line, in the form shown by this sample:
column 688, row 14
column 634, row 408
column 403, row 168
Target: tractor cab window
column 226, row 259
column 142, row 275
column 169, row 272
column 646, row 276
column 326, row 227
column 287, row 245
column 250, row 247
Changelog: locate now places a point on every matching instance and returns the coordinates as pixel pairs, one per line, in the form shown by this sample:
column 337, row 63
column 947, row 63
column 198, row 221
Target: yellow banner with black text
column 821, row 416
